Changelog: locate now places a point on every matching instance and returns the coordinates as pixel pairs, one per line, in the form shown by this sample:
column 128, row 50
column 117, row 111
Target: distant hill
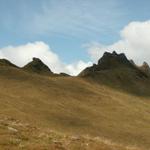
column 37, row 66
column 6, row 63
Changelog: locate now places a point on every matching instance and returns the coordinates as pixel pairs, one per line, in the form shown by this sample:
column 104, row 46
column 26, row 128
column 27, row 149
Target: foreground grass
column 16, row 135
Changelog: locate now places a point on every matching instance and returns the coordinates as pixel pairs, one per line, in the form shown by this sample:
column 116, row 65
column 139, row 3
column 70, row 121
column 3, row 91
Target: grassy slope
column 16, row 135
column 74, row 106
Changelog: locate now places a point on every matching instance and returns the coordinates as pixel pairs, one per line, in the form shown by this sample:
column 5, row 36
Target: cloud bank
column 134, row 42
column 21, row 55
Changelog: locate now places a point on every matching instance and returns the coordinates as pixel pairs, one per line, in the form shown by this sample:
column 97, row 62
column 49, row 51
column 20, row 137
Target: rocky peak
column 37, row 66
column 111, row 60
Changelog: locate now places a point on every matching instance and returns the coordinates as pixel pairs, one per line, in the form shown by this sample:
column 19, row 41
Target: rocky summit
column 111, row 61
column 37, row 66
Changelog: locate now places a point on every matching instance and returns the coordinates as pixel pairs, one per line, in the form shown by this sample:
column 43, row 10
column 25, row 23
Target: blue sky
column 67, row 25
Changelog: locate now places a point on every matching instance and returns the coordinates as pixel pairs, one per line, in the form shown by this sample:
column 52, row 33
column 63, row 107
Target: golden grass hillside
column 16, row 135
column 71, row 105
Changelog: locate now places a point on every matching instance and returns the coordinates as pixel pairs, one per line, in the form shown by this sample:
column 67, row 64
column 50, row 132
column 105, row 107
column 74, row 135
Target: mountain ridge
column 110, row 61
column 112, row 69
column 116, row 71
column 107, row 61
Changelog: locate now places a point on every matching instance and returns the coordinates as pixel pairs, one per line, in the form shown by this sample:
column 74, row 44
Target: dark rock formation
column 37, row 66
column 112, row 61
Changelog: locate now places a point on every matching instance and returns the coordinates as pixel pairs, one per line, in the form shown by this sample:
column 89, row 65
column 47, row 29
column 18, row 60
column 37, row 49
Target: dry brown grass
column 18, row 135
column 72, row 106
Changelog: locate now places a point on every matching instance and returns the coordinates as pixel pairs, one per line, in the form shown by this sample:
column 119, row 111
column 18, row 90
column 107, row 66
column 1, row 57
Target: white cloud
column 134, row 42
column 21, row 55
column 78, row 67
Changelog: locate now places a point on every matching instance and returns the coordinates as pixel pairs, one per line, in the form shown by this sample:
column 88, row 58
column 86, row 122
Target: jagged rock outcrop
column 111, row 61
column 37, row 66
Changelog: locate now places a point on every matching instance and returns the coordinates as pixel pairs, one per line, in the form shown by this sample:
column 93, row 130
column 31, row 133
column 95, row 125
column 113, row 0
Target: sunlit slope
column 74, row 105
